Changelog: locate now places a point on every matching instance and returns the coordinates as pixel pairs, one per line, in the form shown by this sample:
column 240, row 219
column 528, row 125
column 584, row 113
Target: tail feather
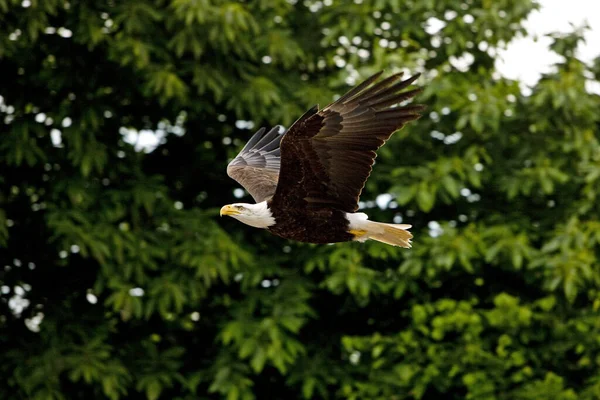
column 393, row 234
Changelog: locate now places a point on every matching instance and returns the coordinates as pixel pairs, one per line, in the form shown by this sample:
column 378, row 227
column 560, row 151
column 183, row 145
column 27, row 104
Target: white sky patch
column 435, row 229
column 17, row 303
column 147, row 140
column 136, row 292
column 526, row 59
column 592, row 87
column 266, row 283
column 354, row 357
column 56, row 137
column 144, row 140
column 450, row 15
column 453, row 138
column 64, row 32
column 91, row 298
column 434, row 25
column 33, row 323
column 383, row 200
column 242, row 124
column 463, row 62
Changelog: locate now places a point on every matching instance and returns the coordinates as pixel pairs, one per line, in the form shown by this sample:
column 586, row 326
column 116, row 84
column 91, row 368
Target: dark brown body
column 316, row 225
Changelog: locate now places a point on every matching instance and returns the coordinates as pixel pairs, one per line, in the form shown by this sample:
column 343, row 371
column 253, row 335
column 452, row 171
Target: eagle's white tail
column 393, row 234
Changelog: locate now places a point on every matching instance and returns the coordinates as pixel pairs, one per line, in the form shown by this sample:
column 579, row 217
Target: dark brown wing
column 256, row 167
column 327, row 156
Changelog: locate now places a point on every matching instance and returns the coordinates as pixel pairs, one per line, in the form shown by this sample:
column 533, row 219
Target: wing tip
column 372, row 88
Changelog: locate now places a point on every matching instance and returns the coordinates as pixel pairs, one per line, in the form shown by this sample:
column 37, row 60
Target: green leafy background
column 118, row 280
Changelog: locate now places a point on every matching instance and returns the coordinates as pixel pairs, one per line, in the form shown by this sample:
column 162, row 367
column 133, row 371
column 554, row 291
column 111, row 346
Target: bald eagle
column 307, row 181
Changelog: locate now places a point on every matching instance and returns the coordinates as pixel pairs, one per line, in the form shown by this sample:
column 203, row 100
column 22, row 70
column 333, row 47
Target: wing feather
column 257, row 165
column 327, row 156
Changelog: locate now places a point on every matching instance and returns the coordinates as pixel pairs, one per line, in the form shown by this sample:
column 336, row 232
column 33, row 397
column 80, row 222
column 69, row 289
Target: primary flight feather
column 307, row 181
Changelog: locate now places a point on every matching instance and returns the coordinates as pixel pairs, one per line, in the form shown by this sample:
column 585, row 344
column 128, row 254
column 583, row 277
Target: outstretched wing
column 256, row 167
column 327, row 156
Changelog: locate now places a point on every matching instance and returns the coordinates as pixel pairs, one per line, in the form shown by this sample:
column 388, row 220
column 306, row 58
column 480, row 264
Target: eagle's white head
column 256, row 215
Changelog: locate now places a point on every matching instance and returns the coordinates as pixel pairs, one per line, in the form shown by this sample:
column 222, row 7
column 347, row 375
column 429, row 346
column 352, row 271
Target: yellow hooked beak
column 229, row 210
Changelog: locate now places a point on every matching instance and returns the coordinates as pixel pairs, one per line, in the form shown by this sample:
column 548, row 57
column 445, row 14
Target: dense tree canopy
column 118, row 280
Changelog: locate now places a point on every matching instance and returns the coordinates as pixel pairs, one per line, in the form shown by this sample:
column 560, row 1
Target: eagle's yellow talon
column 358, row 232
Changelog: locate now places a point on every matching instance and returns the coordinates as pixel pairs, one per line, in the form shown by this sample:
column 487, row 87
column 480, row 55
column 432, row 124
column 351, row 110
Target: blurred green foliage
column 118, row 280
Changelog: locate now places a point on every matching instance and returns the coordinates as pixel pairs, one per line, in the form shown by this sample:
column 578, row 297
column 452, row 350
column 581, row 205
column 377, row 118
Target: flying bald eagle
column 307, row 181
